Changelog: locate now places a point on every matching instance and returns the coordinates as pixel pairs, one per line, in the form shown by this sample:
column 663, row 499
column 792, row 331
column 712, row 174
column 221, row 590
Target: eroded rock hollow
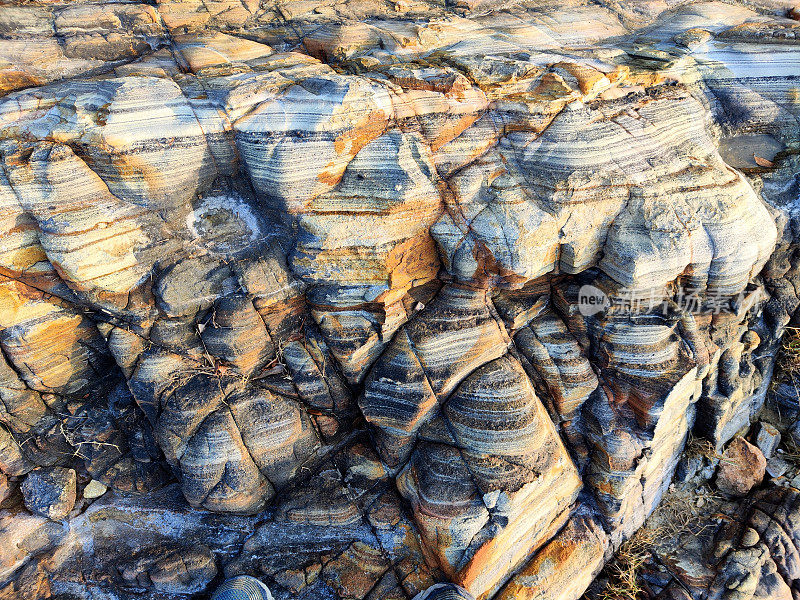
column 360, row 296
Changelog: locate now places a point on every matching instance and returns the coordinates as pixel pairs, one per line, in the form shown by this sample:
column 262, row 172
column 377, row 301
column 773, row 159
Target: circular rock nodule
column 444, row 591
column 242, row 587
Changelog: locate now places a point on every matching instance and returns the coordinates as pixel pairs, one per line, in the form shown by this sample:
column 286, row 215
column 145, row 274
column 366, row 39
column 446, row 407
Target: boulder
column 741, row 468
column 50, row 491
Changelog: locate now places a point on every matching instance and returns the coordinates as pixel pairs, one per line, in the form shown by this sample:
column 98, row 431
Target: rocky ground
column 356, row 296
column 726, row 518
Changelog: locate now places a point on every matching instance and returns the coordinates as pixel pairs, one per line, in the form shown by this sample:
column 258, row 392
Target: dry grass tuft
column 677, row 515
column 624, row 582
column 79, row 446
column 788, row 365
column 696, row 446
column 791, row 452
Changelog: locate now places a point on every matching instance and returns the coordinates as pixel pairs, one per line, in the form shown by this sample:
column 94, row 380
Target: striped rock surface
column 362, row 297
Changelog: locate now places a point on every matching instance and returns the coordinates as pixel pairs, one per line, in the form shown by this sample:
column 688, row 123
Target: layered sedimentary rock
column 381, row 294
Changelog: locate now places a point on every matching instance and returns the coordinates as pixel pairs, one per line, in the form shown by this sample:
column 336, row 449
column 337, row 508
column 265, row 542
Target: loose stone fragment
column 50, row 491
column 767, row 439
column 741, row 468
column 94, row 489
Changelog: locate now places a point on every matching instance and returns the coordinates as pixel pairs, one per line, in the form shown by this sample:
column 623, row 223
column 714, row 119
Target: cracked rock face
column 366, row 296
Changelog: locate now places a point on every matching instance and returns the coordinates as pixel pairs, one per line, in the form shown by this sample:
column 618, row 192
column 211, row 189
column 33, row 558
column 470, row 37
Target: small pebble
column 777, row 467
column 94, row 489
column 750, row 537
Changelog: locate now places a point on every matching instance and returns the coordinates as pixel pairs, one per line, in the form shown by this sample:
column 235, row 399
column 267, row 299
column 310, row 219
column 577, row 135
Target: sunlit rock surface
column 359, row 297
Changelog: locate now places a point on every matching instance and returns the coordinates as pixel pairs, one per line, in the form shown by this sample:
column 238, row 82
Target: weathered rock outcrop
column 365, row 296
column 737, row 548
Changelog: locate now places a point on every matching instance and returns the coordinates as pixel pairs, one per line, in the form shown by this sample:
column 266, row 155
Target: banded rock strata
column 304, row 284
